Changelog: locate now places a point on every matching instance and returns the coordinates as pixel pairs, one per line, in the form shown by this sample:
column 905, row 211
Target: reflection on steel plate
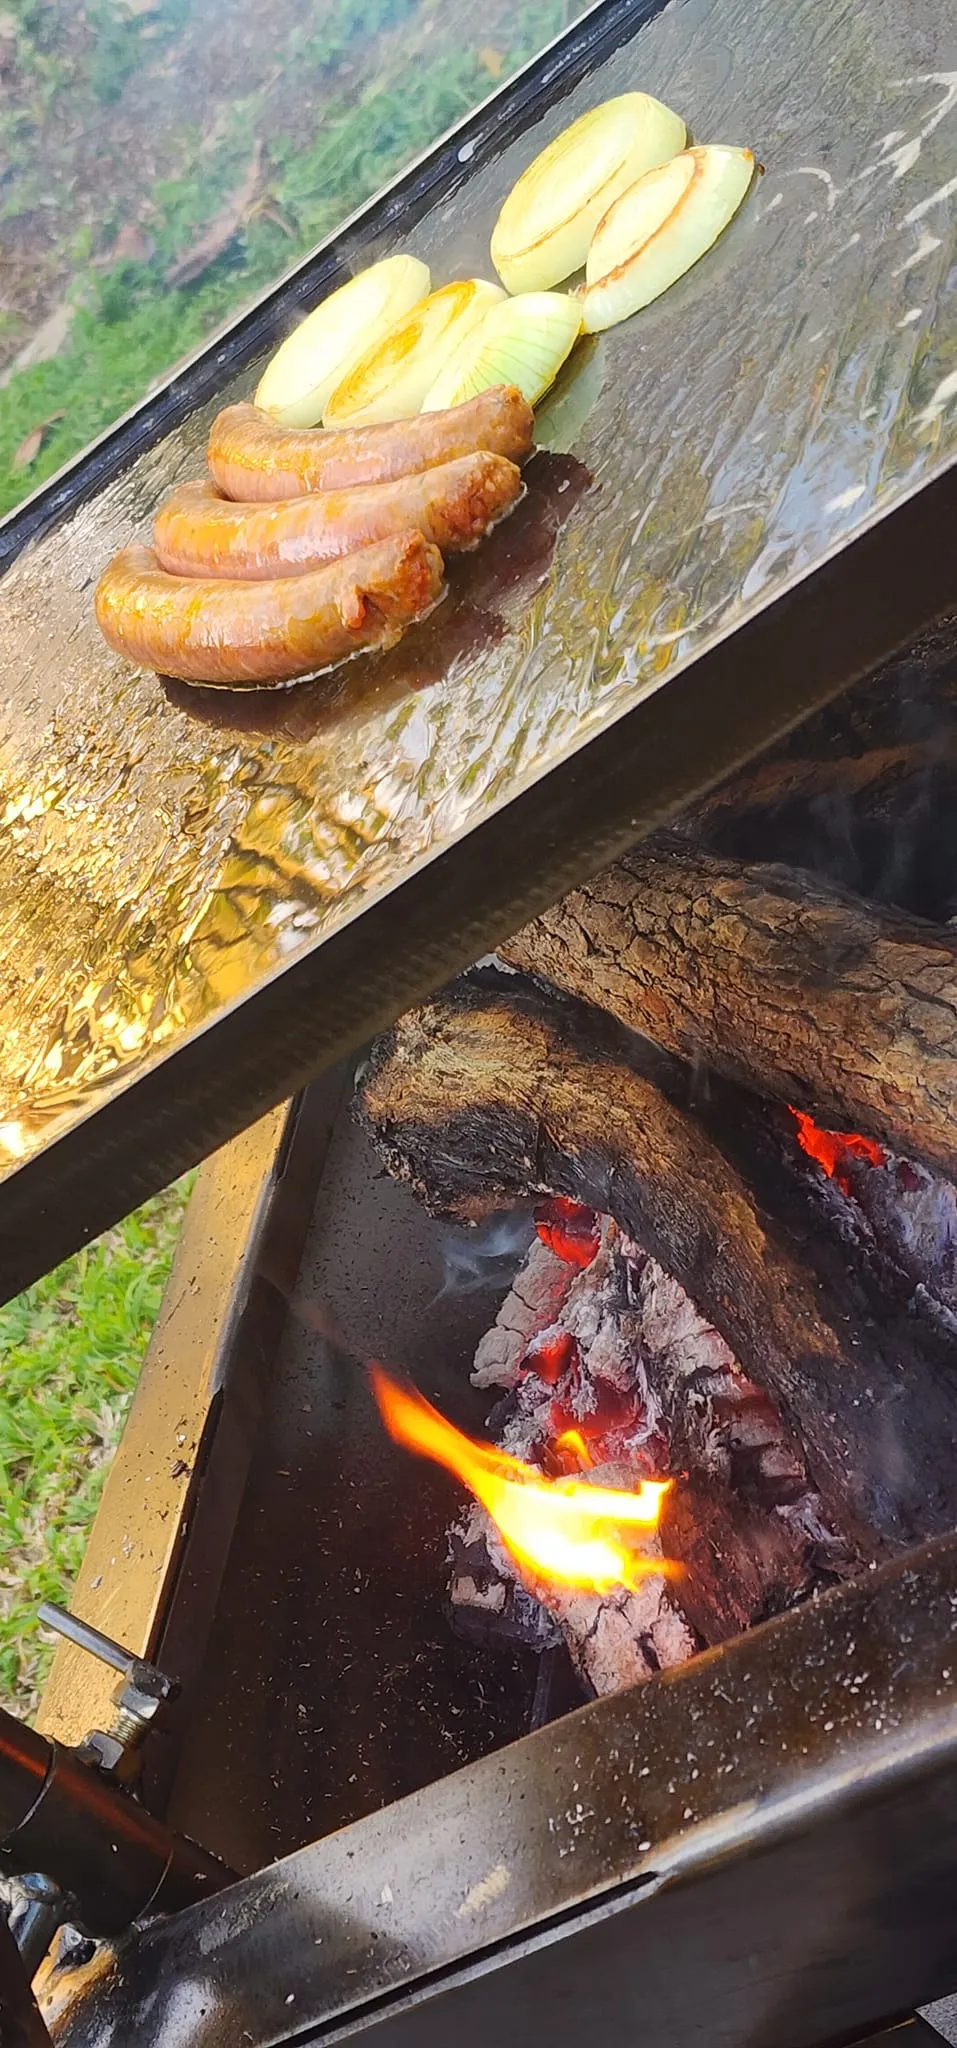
column 164, row 851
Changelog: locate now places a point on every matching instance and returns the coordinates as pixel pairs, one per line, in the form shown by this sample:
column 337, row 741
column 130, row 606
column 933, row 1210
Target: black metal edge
column 824, row 633
column 740, row 1936
column 486, row 131
column 778, row 1817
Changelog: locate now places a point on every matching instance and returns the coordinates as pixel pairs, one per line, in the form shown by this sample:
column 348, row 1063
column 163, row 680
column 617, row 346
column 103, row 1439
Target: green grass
column 129, row 327
column 70, row 1351
column 118, row 40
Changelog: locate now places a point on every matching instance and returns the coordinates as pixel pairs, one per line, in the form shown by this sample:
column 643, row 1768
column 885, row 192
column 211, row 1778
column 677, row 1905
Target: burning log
column 623, row 1638
column 907, row 1214
column 493, row 1095
column 616, row 1639
column 788, row 984
column 587, row 1550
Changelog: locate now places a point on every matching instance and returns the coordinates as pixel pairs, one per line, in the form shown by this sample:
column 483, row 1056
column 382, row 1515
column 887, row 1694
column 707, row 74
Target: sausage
column 250, row 456
column 245, row 634
column 200, row 533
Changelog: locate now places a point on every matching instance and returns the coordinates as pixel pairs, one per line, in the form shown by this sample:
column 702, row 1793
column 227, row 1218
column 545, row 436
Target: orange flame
column 572, row 1444
column 831, row 1149
column 562, row 1529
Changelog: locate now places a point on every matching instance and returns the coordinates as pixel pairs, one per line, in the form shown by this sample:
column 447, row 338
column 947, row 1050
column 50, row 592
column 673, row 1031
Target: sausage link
column 200, row 533
column 250, row 456
column 241, row 634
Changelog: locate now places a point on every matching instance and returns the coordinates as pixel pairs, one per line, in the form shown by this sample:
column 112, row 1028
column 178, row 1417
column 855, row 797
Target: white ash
column 917, row 1211
column 533, row 1301
column 623, row 1638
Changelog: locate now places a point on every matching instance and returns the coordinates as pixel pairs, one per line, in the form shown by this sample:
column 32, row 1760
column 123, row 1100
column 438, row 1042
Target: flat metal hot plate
column 746, row 496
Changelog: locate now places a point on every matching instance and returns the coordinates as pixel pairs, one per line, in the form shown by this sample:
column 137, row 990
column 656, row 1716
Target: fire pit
column 560, row 1259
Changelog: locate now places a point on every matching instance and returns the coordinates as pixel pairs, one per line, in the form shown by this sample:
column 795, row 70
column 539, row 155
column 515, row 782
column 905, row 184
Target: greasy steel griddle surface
column 166, row 853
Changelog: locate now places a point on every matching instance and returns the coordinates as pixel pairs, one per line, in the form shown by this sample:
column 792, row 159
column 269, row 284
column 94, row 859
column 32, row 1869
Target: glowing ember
column 832, row 1149
column 551, row 1354
column 561, row 1529
column 571, row 1231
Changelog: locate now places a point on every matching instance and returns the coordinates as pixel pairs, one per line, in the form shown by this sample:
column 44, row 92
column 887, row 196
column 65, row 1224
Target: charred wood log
column 872, row 741
column 790, row 985
column 876, row 782
column 864, row 790
column 739, row 1566
column 491, row 1095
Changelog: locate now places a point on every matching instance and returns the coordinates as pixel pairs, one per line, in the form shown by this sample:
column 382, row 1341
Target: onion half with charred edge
column 391, row 379
column 659, row 228
column 522, row 342
column 297, row 382
column 543, row 230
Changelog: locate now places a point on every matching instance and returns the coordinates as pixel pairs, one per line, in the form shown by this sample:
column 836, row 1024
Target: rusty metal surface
column 160, row 859
column 776, row 1818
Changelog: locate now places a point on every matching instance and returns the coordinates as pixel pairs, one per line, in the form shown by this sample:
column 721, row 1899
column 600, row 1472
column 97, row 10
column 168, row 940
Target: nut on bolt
column 143, row 1691
column 138, row 1698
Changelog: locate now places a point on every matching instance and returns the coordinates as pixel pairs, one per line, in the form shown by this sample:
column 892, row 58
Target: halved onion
column 522, row 341
column 296, row 383
column 390, row 380
column 547, row 221
column 659, row 228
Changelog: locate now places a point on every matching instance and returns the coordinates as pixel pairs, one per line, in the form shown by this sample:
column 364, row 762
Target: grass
column 118, row 40
column 129, row 327
column 70, row 1351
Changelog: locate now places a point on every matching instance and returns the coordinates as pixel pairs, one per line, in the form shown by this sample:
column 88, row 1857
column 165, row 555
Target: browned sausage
column 200, row 533
column 251, row 457
column 243, row 634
